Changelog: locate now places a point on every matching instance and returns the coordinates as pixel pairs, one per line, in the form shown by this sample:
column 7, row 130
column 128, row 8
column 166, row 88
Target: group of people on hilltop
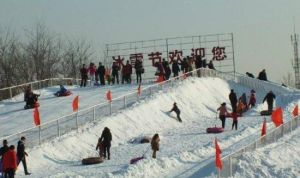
column 10, row 158
column 163, row 69
column 240, row 105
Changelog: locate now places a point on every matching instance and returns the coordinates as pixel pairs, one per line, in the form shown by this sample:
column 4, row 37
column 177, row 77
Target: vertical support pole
column 125, row 102
column 10, row 93
column 40, row 136
column 230, row 166
column 94, row 114
column 233, row 61
column 77, row 126
column 58, row 129
column 110, row 108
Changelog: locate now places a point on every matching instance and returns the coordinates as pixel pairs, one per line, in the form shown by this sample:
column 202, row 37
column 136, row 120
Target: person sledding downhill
column 177, row 111
column 62, row 91
column 223, row 113
column 31, row 99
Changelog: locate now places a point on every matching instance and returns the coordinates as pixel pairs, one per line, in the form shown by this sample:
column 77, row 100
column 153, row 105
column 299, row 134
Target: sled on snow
column 92, row 160
column 67, row 93
column 135, row 160
column 35, row 105
column 265, row 113
column 214, row 130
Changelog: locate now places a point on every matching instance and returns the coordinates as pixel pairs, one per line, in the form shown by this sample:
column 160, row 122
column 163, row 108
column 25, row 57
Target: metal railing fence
column 230, row 162
column 64, row 124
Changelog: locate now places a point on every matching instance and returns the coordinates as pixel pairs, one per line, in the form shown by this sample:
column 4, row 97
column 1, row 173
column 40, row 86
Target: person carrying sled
column 222, row 114
column 177, row 111
column 106, row 140
column 233, row 100
column 270, row 97
column 155, row 144
column 10, row 162
column 21, row 154
column 101, row 73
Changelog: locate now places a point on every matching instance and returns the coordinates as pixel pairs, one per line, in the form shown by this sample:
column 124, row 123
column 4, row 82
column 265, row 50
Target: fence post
column 58, row 130
column 230, row 166
column 51, row 84
column 94, row 114
column 125, row 104
column 10, row 93
column 40, row 135
column 110, row 108
column 77, row 120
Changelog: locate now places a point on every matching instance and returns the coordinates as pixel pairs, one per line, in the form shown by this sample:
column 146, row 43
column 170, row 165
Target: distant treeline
column 43, row 54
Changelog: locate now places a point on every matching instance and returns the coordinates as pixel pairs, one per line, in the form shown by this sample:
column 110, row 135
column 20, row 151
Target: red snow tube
column 67, row 93
column 214, row 130
column 92, row 160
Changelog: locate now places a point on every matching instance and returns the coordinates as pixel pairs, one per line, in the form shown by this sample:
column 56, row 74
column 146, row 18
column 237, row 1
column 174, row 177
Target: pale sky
column 261, row 28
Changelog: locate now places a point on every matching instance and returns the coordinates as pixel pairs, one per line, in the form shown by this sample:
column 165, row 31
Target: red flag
column 218, row 155
column 264, row 128
column 277, row 116
column 36, row 117
column 295, row 111
column 75, row 103
column 139, row 90
column 108, row 96
column 160, row 79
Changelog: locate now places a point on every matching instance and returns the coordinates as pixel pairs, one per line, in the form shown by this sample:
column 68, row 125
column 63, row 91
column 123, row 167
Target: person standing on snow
column 262, row 75
column 177, row 111
column 234, row 120
column 21, row 154
column 3, row 150
column 106, row 140
column 175, row 68
column 84, row 75
column 222, row 114
column 10, row 162
column 252, row 100
column 155, row 144
column 270, row 97
column 101, row 73
column 233, row 100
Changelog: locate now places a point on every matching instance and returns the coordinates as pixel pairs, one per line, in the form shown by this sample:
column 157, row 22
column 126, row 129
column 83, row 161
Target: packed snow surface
column 185, row 148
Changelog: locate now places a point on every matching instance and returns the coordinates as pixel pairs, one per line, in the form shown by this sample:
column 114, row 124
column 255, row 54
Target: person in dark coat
column 233, row 100
column 21, row 154
column 27, row 92
column 106, row 140
column 10, row 162
column 250, row 75
column 184, row 66
column 198, row 62
column 84, row 75
column 138, row 70
column 167, row 69
column 262, row 75
column 177, row 111
column 204, row 63
column 234, row 116
column 155, row 144
column 3, row 150
column 101, row 73
column 270, row 100
column 126, row 72
column 115, row 72
column 175, row 68
column 211, row 65
column 32, row 100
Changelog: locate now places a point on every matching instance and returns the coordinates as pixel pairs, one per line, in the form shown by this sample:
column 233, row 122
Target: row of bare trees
column 43, row 54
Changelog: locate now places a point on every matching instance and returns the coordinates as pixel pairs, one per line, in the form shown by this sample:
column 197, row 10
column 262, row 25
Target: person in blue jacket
column 61, row 91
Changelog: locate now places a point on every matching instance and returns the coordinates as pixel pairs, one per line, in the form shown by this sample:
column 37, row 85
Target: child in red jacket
column 10, row 162
column 234, row 116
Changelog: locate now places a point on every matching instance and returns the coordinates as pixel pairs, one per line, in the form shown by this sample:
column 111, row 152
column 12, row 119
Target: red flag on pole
column 218, row 155
column 75, row 103
column 295, row 111
column 277, row 117
column 36, row 117
column 139, row 90
column 264, row 128
column 109, row 96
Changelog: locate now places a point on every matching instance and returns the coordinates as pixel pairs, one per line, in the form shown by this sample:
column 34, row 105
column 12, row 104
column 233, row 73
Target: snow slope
column 185, row 149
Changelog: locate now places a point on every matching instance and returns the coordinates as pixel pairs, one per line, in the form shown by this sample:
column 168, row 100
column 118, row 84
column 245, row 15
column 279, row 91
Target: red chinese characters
column 198, row 52
column 119, row 60
column 175, row 55
column 134, row 57
column 218, row 53
column 155, row 57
